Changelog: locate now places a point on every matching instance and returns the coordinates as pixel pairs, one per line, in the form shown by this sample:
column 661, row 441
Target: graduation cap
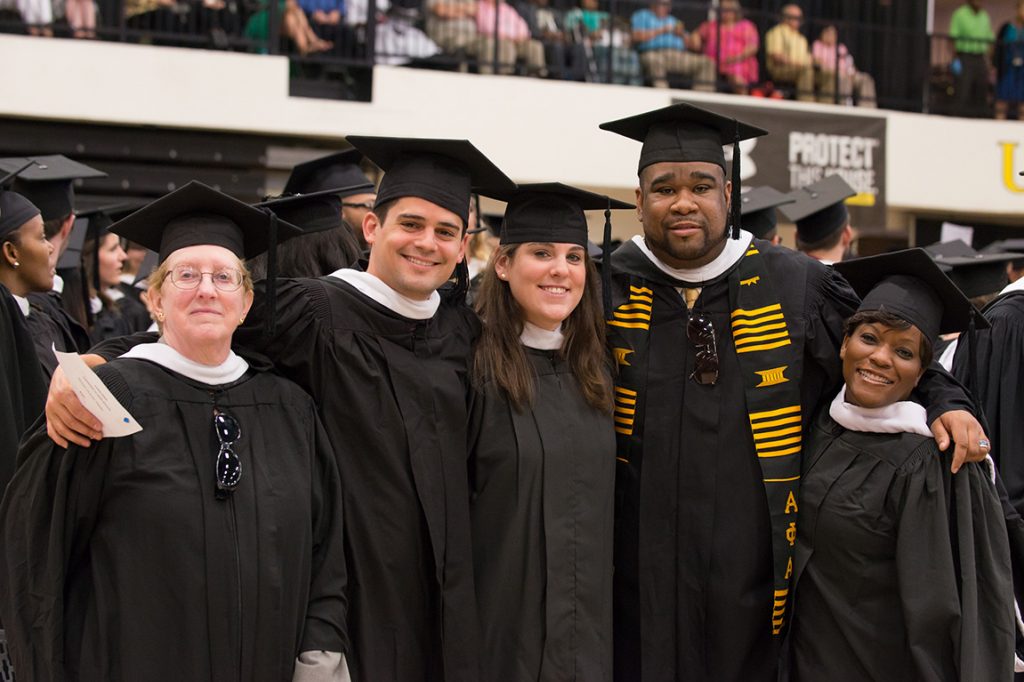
column 338, row 172
column 197, row 215
column 146, row 268
column 550, row 212
column 1008, row 246
column 72, row 256
column 686, row 133
column 974, row 273
column 443, row 172
column 910, row 285
column 15, row 211
column 309, row 212
column 48, row 181
column 757, row 206
column 819, row 209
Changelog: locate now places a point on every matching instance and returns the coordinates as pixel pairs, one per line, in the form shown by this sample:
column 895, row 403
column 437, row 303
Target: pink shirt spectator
column 825, row 57
column 737, row 37
column 511, row 26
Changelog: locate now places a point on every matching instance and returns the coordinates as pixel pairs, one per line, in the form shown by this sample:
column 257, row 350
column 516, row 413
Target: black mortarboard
column 819, row 209
column 757, row 206
column 550, row 212
column 443, row 172
column 72, row 256
column 910, row 285
column 198, row 214
column 339, row 172
column 15, row 211
column 309, row 212
column 974, row 273
column 49, row 181
column 1008, row 246
column 685, row 133
column 146, row 268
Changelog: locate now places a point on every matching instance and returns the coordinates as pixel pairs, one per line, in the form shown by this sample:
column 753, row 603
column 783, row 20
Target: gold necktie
column 691, row 297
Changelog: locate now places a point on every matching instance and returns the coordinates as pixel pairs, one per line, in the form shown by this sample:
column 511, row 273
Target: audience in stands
column 451, row 24
column 396, row 41
column 736, row 56
column 595, row 31
column 787, row 57
column 1010, row 65
column 294, row 26
column 565, row 59
column 81, row 18
column 496, row 18
column 835, row 63
column 971, row 31
column 660, row 38
column 326, row 18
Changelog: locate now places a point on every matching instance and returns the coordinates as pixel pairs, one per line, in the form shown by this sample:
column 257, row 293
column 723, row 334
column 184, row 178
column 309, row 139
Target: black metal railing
column 683, row 43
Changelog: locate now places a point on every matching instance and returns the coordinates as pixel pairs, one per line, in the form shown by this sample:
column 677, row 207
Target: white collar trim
column 1014, row 286
column 731, row 254
column 374, row 288
column 161, row 354
column 541, row 339
column 95, row 305
column 900, row 417
column 58, row 284
column 114, row 294
column 22, row 303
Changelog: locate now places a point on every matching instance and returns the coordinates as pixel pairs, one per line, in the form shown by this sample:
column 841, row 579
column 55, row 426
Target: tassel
column 270, row 304
column 734, row 212
column 606, row 262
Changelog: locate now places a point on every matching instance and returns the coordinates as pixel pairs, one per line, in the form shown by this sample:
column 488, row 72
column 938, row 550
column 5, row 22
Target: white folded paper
column 96, row 397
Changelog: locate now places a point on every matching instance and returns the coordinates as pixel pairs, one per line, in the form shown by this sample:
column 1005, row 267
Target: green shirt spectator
column 971, row 28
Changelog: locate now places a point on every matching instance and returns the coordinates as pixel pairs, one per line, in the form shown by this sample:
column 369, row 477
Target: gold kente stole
column 771, row 365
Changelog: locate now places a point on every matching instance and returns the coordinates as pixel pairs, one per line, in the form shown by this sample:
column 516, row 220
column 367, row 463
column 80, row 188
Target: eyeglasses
column 188, row 277
column 366, row 204
column 701, row 334
column 229, row 466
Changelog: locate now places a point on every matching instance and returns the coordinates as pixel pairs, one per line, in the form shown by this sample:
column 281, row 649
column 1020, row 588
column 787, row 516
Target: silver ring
column 983, row 443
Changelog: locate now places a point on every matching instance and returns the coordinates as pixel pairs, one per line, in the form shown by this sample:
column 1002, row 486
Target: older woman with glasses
column 208, row 545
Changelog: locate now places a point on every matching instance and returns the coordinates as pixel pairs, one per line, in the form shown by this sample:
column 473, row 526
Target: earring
column 159, row 316
column 17, row 264
column 241, row 320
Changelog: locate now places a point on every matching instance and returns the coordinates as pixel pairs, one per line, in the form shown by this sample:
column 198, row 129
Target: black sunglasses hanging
column 229, row 466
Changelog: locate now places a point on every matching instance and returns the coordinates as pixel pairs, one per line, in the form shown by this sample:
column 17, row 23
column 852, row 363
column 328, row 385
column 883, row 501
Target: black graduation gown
column 22, row 389
column 997, row 384
column 133, row 310
column 120, row 564
column 392, row 394
column 541, row 490
column 693, row 567
column 51, row 326
column 110, row 323
column 901, row 570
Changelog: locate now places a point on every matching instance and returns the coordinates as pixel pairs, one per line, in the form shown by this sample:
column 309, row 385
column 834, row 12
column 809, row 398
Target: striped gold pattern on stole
column 625, row 410
column 777, row 432
column 635, row 313
column 759, row 329
column 779, row 611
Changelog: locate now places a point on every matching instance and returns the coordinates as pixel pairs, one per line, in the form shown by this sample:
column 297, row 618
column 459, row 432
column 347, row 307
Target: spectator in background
column 452, row 25
column 565, row 59
column 827, row 51
column 81, row 17
column 514, row 39
column 37, row 15
column 397, row 41
column 788, row 58
column 971, row 31
column 294, row 26
column 1010, row 65
column 325, row 17
column 660, row 39
column 594, row 30
column 737, row 55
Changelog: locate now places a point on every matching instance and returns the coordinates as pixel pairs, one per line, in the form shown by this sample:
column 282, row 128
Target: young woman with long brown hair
column 542, row 447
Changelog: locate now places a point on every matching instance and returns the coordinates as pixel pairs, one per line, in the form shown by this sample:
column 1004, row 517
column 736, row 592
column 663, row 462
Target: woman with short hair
column 208, row 545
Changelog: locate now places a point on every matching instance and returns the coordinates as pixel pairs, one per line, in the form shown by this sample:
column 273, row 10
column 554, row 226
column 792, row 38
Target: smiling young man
column 725, row 347
column 384, row 357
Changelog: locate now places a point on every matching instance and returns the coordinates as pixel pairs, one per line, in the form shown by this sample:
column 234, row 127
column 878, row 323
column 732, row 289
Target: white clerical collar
column 161, row 354
column 58, row 284
column 22, row 303
column 374, row 288
column 733, row 251
column 95, row 305
column 114, row 294
column 126, row 278
column 900, row 417
column 541, row 339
